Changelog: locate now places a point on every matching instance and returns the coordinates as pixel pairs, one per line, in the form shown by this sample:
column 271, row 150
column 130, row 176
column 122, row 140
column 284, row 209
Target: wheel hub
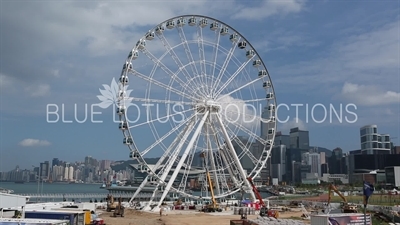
column 208, row 105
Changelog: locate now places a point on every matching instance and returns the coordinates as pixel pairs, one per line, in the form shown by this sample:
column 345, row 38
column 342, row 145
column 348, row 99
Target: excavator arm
column 333, row 188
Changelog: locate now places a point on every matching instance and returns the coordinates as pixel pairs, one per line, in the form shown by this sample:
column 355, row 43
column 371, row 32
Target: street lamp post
column 38, row 181
column 38, row 187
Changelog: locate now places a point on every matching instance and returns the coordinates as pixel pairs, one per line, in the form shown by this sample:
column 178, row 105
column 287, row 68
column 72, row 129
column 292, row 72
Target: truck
column 74, row 217
column 10, row 221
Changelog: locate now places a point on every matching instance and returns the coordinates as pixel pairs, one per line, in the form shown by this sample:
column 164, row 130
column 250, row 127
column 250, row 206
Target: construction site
column 318, row 210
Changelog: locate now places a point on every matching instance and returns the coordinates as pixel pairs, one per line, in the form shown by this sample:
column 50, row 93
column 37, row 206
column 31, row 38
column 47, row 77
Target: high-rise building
column 299, row 139
column 45, row 170
column 373, row 143
column 55, row 162
column 282, row 139
column 323, row 157
column 396, row 150
column 105, row 164
column 66, row 172
column 58, row 173
column 71, row 173
column 315, row 163
column 278, row 162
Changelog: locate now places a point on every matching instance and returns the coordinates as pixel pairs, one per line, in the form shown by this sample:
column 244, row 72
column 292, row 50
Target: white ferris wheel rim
column 202, row 91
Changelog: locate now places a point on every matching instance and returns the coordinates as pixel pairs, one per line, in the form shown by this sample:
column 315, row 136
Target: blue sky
column 327, row 52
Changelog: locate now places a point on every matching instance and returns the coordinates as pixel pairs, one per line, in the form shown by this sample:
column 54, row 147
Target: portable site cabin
column 12, row 203
column 9, row 221
column 87, row 213
column 74, row 217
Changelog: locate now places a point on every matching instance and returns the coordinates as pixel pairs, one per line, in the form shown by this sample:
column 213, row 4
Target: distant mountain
column 122, row 164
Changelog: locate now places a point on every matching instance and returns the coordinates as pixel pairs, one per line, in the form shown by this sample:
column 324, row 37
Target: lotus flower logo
column 112, row 95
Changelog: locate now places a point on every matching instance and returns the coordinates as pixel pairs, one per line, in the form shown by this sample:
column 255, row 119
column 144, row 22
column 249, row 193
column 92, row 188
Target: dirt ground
column 134, row 217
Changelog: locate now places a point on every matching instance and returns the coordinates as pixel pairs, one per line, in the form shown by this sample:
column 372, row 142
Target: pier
column 84, row 196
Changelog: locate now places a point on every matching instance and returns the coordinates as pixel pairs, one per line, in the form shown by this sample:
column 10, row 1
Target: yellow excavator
column 346, row 207
column 213, row 206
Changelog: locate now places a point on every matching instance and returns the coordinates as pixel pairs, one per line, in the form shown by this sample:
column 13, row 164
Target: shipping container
column 340, row 219
column 75, row 218
column 9, row 221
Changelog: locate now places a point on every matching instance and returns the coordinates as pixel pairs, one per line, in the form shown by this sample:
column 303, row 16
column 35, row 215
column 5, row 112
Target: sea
column 64, row 188
column 54, row 188
column 33, row 188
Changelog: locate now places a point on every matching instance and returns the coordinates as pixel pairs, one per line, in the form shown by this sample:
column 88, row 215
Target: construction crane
column 213, row 207
column 264, row 210
column 346, row 207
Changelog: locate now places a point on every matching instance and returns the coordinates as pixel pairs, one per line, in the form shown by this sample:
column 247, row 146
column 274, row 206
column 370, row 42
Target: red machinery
column 264, row 211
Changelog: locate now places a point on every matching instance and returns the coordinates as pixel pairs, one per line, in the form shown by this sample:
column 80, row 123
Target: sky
column 323, row 54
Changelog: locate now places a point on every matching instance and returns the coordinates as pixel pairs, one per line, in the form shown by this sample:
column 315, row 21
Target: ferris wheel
column 201, row 115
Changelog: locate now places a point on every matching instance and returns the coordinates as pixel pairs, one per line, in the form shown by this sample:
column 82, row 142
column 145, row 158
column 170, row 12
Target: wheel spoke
column 225, row 65
column 158, row 83
column 245, row 149
column 247, row 131
column 158, row 63
column 160, row 140
column 159, row 101
column 200, row 44
column 216, row 49
column 185, row 153
column 233, row 76
column 191, row 59
column 175, row 57
column 240, row 88
column 233, row 154
column 158, row 119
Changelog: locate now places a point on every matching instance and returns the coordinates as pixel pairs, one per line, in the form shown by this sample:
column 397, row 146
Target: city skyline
column 307, row 145
column 317, row 53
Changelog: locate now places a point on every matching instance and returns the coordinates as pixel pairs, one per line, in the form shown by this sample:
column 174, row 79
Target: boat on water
column 19, row 182
column 7, row 191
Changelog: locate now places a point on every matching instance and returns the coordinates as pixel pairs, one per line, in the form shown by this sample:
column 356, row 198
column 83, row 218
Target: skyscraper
column 282, row 139
column 372, row 142
column 44, row 170
column 55, row 162
column 299, row 139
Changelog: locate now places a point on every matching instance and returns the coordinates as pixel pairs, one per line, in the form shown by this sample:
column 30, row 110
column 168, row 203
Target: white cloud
column 268, row 8
column 238, row 111
column 295, row 122
column 39, row 90
column 369, row 95
column 29, row 142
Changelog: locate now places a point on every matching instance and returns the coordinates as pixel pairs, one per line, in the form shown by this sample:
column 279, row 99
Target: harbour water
column 66, row 188
column 52, row 188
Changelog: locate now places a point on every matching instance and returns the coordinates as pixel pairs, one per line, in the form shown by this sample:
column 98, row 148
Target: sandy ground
column 134, row 217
